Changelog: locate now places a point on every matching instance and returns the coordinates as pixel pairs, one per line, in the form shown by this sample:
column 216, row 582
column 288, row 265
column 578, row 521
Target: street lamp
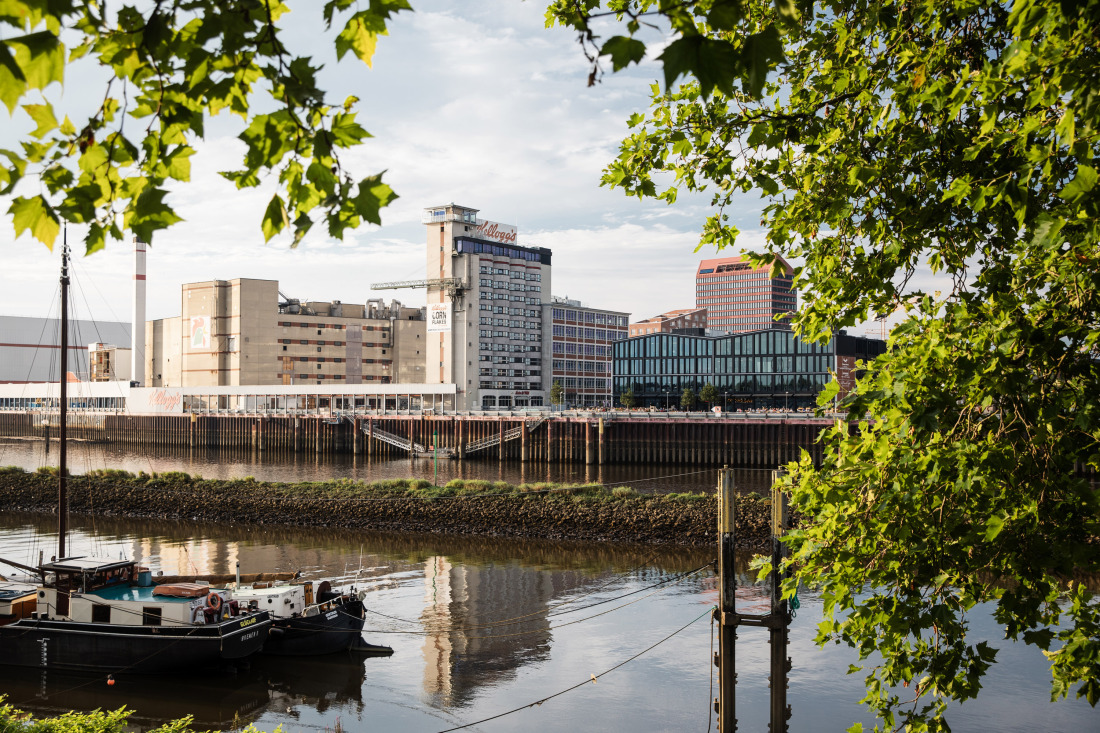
column 785, row 396
column 725, row 396
column 666, row 400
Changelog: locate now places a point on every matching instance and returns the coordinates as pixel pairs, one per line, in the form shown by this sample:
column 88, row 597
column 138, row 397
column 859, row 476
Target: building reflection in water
column 483, row 622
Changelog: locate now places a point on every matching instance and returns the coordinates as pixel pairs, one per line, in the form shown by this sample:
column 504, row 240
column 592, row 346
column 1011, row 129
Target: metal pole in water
column 62, row 489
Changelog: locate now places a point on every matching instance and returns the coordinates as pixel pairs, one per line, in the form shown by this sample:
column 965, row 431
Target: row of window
column 725, row 365
column 490, row 321
column 487, row 295
column 745, row 344
column 514, row 348
column 530, row 361
column 464, row 246
column 570, row 365
column 75, row 403
column 584, row 383
column 502, row 285
column 726, row 384
column 513, row 335
column 597, row 334
column 333, row 326
column 564, row 314
column 513, row 274
column 528, row 386
column 486, row 372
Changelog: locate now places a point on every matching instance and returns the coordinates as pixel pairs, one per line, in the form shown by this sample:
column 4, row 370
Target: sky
column 473, row 103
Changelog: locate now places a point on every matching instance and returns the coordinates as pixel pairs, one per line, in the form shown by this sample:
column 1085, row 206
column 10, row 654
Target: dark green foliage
column 888, row 139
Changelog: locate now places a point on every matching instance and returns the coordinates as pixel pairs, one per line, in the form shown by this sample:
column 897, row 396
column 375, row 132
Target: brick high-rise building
column 739, row 297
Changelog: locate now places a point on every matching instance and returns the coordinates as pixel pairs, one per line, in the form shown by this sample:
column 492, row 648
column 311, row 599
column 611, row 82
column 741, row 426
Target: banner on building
column 439, row 317
column 846, row 374
column 200, row 332
column 496, row 232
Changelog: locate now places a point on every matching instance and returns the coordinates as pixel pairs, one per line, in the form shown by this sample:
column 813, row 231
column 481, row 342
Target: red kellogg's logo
column 167, row 401
column 497, row 233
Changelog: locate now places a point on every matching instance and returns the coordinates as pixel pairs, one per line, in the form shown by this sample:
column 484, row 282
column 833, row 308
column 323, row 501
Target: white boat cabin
column 99, row 590
column 287, row 600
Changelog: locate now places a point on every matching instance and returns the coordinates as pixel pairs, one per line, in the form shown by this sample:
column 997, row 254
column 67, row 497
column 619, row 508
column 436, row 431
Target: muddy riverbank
column 471, row 508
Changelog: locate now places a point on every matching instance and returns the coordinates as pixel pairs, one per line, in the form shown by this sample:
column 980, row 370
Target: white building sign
column 147, row 400
column 439, row 317
column 493, row 231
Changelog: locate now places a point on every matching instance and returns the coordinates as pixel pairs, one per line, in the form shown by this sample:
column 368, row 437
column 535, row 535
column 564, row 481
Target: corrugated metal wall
column 30, row 347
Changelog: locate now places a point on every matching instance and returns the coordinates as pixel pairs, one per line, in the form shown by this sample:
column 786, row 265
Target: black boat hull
column 115, row 648
column 333, row 631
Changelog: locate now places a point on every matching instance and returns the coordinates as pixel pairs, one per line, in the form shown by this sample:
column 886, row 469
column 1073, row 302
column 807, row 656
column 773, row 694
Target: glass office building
column 757, row 370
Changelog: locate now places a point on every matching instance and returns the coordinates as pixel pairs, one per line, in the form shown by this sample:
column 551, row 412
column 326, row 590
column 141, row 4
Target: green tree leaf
column 35, row 215
column 623, row 51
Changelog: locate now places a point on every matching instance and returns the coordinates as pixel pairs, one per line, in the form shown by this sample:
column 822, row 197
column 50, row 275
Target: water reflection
column 447, row 607
column 218, row 700
column 292, row 467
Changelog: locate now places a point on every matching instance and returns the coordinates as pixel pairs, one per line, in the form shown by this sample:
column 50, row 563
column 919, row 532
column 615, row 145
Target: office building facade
column 580, row 341
column 768, row 369
column 740, row 297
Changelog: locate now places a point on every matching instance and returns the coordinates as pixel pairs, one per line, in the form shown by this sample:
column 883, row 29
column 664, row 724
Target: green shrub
column 623, row 492
column 117, row 473
column 51, row 471
column 11, row 469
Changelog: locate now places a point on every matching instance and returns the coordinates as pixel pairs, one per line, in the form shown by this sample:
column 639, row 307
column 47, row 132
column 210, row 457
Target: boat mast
column 62, row 498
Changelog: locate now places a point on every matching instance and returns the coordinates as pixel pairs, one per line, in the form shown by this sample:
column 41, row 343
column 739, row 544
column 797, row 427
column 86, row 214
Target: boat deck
column 134, row 593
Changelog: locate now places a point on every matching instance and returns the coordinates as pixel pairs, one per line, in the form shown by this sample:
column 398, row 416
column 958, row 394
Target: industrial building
column 760, row 370
column 30, row 349
column 245, row 332
column 740, row 297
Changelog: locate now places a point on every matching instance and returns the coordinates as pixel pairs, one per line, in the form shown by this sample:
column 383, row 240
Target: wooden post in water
column 589, row 454
column 780, row 615
column 726, row 612
column 523, row 442
column 601, row 439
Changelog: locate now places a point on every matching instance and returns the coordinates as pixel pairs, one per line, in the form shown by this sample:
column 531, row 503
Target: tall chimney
column 137, row 338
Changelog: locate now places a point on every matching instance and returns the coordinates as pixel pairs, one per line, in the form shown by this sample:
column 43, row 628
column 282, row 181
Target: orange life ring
column 214, row 602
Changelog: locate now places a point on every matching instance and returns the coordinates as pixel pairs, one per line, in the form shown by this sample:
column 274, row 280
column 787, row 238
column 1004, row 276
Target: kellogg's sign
column 491, row 230
column 160, row 400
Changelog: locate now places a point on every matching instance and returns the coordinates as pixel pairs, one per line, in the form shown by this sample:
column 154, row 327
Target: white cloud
column 475, row 103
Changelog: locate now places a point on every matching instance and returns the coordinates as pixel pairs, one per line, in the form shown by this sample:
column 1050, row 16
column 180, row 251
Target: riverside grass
column 386, row 488
column 580, row 512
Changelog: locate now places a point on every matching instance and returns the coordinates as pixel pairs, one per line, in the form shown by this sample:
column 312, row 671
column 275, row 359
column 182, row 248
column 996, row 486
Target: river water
column 480, row 627
column 225, row 464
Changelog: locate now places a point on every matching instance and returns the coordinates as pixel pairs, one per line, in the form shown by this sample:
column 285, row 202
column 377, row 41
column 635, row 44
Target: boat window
column 101, row 613
column 150, row 615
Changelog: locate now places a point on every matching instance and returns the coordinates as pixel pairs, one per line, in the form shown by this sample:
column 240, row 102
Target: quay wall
column 702, row 440
column 655, row 520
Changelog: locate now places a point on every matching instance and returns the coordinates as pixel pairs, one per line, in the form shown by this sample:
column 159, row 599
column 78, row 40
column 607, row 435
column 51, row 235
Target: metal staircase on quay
column 483, row 443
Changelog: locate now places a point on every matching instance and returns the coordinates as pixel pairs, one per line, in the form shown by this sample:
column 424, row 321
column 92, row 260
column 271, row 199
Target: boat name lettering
column 330, row 615
column 247, row 622
column 250, row 635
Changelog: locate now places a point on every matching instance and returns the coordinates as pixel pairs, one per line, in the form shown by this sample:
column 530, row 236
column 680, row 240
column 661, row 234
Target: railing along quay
column 736, row 439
